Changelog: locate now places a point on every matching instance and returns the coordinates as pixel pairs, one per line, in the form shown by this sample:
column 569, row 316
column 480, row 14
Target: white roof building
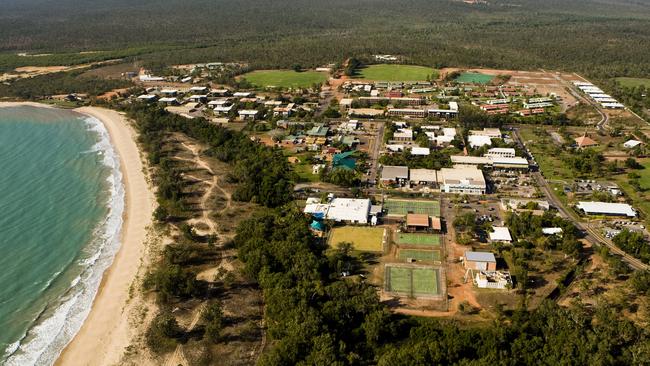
column 551, row 230
column 631, row 144
column 394, row 147
column 479, row 140
column 606, row 208
column 500, row 233
column 404, row 134
column 463, row 179
column 352, row 210
column 505, row 152
column 425, row 176
column 420, row 151
column 490, row 132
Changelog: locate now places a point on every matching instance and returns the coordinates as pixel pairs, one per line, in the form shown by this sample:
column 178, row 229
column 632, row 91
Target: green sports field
column 419, row 255
column 412, row 280
column 285, row 78
column 426, row 240
column 389, row 72
column 365, row 239
column 404, row 207
column 474, row 78
column 633, row 82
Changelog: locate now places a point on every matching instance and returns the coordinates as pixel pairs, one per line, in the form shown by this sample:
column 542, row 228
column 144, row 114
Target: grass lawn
column 633, row 82
column 304, row 171
column 547, row 154
column 403, row 207
column 365, row 239
column 418, row 239
column 474, row 78
column 390, row 72
column 640, row 200
column 420, row 255
column 285, row 78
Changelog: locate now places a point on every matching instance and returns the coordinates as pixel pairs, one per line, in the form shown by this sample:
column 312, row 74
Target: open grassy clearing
column 420, row 255
column 365, row 239
column 474, row 78
column 285, row 78
column 418, row 239
column 404, row 207
column 633, row 82
column 640, row 200
column 388, row 72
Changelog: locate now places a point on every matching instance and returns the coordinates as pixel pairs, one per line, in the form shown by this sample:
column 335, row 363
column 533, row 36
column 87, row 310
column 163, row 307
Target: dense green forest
column 602, row 38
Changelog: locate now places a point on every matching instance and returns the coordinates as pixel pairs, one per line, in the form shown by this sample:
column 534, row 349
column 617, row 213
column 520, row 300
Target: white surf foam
column 56, row 327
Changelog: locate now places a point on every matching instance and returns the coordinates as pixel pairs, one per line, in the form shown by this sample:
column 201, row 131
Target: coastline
column 105, row 333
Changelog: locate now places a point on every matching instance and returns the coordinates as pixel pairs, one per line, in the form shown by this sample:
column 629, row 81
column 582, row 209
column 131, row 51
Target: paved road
column 593, row 235
column 374, row 154
column 604, row 118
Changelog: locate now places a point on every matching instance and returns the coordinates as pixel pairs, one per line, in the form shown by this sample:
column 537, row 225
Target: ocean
column 61, row 206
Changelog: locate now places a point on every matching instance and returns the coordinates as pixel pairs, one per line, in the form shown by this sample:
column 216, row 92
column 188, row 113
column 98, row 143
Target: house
column 168, row 101
column 585, row 141
column 500, row 234
column 223, row 109
column 417, row 222
column 482, row 261
column 148, row 98
column 631, row 144
column 248, row 114
column 463, row 179
column 606, row 209
column 394, row 174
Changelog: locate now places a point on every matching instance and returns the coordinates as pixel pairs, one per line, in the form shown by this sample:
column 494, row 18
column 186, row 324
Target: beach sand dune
column 106, row 332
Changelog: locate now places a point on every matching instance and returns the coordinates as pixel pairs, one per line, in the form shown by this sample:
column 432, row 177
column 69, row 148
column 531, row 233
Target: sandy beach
column 106, row 332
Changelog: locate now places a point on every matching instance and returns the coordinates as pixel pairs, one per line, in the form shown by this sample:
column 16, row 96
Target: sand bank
column 106, row 332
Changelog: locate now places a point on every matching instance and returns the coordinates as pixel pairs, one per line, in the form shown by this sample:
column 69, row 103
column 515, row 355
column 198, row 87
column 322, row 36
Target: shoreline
column 105, row 333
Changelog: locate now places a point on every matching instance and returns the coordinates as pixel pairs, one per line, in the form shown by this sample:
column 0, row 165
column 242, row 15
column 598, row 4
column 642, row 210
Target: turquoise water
column 60, row 214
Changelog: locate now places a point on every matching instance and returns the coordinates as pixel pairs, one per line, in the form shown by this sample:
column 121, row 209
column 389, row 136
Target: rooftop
column 500, row 233
column 419, row 220
column 480, row 257
column 390, row 172
column 606, row 208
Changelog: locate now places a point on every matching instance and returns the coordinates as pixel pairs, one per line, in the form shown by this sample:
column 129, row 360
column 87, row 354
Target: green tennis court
column 399, row 279
column 404, row 207
column 420, row 255
column 412, row 281
column 418, row 239
column 474, row 78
